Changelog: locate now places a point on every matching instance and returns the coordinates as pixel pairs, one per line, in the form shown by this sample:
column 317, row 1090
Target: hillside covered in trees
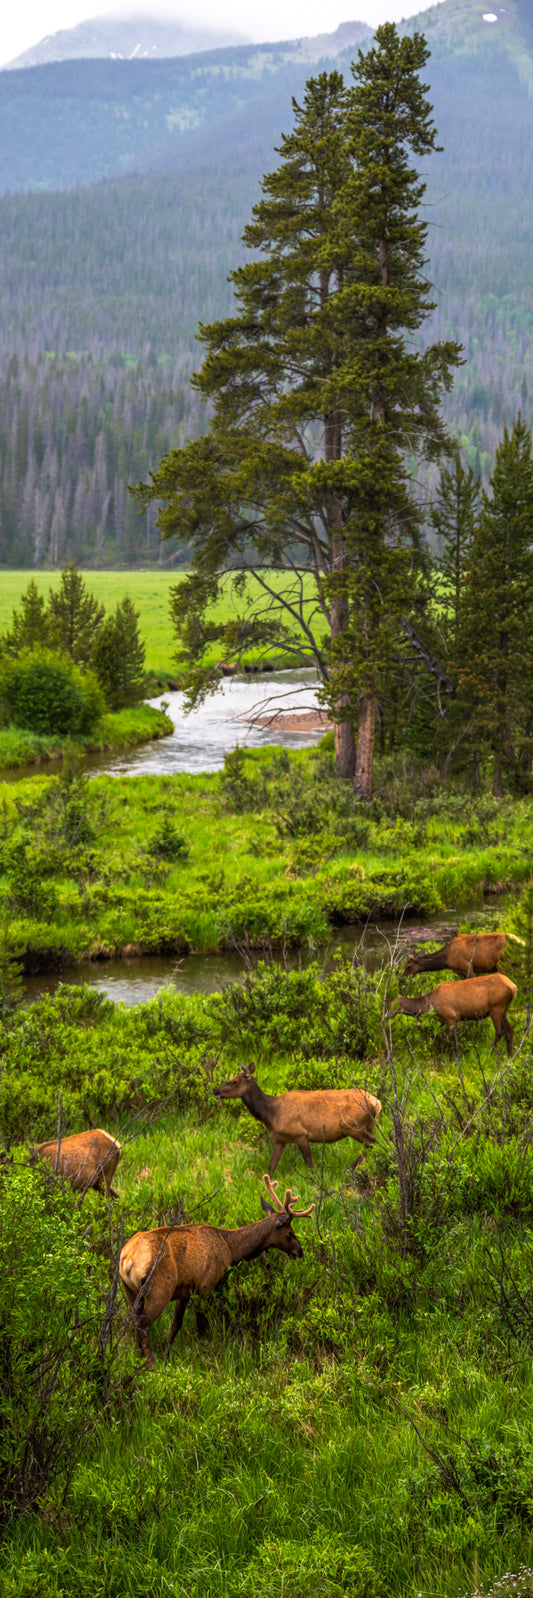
column 102, row 286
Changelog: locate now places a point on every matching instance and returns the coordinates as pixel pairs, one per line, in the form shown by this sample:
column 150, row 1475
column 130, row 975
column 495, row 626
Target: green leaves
column 46, row 692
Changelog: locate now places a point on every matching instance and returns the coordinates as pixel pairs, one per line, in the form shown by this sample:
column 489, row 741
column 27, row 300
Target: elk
column 323, row 1116
column 87, row 1159
column 474, row 999
column 470, row 955
column 168, row 1264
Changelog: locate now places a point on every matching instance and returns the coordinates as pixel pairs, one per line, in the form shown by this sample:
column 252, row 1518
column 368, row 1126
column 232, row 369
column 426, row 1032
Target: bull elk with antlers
column 87, row 1159
column 168, row 1264
column 470, row 955
column 320, row 1116
column 472, row 1000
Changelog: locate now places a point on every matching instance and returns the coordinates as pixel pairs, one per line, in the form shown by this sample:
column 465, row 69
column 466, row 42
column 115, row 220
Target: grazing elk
column 87, row 1159
column 473, row 954
column 323, row 1116
column 168, row 1264
column 471, row 1000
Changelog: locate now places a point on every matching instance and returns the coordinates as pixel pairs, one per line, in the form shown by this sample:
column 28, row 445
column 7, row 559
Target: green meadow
column 149, row 591
column 270, row 852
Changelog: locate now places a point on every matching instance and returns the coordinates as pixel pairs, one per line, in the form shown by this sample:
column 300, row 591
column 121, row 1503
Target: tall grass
column 357, row 1422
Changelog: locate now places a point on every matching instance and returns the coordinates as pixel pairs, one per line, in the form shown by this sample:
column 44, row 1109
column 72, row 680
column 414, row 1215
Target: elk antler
column 289, row 1201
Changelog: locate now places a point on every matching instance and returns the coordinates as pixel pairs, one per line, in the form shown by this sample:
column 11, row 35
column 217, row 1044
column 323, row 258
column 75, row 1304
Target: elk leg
column 508, row 1034
column 202, row 1324
column 277, row 1151
column 141, row 1327
column 303, row 1145
column 181, row 1305
column 503, row 1029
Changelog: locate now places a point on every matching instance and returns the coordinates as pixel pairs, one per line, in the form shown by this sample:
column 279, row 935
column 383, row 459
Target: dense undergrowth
column 271, row 852
column 355, row 1423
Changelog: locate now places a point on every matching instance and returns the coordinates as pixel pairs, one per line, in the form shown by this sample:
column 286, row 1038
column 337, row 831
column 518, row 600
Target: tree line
column 74, row 432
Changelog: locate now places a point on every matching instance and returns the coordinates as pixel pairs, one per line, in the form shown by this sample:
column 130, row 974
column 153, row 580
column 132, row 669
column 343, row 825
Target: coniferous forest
column 102, row 284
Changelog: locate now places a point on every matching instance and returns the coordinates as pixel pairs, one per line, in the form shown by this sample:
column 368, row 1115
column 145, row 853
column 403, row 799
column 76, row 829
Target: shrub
column 50, row 1316
column 25, row 868
column 294, row 1010
column 168, row 843
column 47, row 693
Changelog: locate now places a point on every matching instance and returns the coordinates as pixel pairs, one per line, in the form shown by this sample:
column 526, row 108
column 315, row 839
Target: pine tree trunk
column 340, row 613
column 344, row 749
column 497, row 785
column 364, row 762
column 343, row 730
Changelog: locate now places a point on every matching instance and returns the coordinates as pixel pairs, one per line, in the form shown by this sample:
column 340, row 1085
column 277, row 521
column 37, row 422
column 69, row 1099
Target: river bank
column 119, row 729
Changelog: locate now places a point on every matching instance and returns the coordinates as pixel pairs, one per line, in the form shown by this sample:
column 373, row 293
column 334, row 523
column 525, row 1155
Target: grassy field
column 149, row 591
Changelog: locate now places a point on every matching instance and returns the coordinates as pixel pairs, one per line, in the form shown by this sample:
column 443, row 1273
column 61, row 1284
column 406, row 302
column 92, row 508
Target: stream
column 135, row 980
column 202, row 737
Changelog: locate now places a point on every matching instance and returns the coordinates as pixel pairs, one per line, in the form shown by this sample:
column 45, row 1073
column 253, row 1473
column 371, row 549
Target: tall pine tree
column 453, row 517
column 30, row 626
column 118, row 656
column 495, row 672
column 75, row 616
column 316, row 398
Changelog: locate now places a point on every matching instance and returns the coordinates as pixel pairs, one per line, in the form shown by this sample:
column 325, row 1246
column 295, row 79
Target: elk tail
column 132, row 1277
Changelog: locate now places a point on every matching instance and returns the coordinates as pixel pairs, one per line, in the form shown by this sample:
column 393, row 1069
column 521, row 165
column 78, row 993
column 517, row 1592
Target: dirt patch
column 293, row 721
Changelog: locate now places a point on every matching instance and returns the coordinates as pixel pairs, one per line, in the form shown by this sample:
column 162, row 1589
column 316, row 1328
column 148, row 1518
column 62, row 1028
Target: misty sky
column 24, row 24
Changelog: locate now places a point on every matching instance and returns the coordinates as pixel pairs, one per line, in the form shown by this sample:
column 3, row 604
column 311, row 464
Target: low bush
column 52, row 1297
column 48, row 694
column 285, row 1011
column 168, row 843
column 71, row 1044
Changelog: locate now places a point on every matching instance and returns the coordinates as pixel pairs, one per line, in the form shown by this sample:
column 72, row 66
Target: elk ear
column 267, row 1207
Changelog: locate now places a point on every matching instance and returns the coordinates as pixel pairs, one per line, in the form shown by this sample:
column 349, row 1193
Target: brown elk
column 472, row 1000
column 87, row 1159
column 470, row 955
column 323, row 1116
column 168, row 1264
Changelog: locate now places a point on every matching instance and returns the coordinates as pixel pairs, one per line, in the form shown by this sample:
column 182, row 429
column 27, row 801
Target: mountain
column 73, row 122
column 124, row 39
column 102, row 287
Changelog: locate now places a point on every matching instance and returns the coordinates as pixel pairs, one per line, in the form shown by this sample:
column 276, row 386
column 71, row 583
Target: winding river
column 202, row 737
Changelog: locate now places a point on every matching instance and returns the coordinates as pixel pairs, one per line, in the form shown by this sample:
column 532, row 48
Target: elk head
column 285, row 1213
column 412, row 967
column 237, row 1085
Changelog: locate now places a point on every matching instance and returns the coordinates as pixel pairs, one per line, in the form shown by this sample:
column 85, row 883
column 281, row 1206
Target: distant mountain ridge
column 75, row 121
column 102, row 286
column 125, row 39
